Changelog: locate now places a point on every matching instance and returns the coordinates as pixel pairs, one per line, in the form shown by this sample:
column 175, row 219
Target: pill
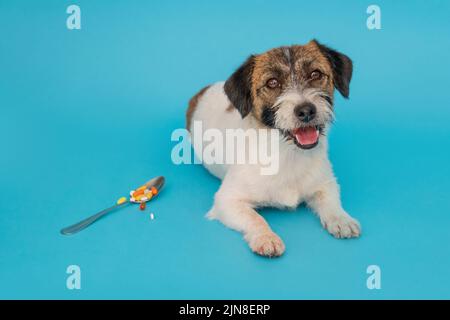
column 152, row 216
column 138, row 192
column 154, row 191
column 141, row 188
column 142, row 206
column 142, row 198
column 121, row 200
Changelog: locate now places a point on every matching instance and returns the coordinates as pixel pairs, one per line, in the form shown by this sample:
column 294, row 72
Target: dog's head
column 291, row 89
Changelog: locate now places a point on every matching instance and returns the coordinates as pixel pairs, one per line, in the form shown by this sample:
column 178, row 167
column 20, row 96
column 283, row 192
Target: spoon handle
column 88, row 221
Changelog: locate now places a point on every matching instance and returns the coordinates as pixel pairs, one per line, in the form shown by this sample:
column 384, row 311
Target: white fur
column 293, row 97
column 304, row 175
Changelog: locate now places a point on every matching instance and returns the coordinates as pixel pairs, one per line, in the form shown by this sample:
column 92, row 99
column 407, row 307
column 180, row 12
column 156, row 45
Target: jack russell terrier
column 291, row 90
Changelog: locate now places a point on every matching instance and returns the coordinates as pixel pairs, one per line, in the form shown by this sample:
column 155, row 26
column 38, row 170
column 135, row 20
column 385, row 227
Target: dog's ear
column 238, row 87
column 342, row 68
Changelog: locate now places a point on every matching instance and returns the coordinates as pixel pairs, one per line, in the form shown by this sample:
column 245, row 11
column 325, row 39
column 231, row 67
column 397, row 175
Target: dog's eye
column 272, row 83
column 315, row 75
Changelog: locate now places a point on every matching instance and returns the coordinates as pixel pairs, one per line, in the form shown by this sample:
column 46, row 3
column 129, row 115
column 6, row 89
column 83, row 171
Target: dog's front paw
column 342, row 226
column 266, row 244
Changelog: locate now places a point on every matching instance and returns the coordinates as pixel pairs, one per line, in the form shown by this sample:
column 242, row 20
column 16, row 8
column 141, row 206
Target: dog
column 289, row 89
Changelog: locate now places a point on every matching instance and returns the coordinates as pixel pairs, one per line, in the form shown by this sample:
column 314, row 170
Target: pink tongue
column 306, row 136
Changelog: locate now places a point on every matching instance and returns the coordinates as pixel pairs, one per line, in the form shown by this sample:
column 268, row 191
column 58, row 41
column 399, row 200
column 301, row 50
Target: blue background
column 86, row 115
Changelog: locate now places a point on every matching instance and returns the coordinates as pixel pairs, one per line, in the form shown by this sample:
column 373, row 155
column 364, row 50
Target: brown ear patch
column 192, row 105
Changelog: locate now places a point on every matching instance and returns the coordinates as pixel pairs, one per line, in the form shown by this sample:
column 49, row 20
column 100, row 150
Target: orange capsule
column 138, row 193
column 142, row 206
column 154, row 191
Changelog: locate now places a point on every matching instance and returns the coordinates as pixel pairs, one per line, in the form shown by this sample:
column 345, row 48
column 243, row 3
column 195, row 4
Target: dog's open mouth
column 306, row 137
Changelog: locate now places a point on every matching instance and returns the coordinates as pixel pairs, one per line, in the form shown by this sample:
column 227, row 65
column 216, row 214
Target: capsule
column 142, row 188
column 142, row 206
column 138, row 193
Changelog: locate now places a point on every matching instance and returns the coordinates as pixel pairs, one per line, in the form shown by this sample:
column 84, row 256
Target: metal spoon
column 157, row 182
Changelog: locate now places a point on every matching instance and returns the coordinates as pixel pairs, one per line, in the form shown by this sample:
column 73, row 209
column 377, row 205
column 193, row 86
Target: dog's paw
column 266, row 244
column 342, row 226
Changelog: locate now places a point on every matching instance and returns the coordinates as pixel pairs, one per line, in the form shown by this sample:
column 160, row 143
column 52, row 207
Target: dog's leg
column 239, row 215
column 326, row 203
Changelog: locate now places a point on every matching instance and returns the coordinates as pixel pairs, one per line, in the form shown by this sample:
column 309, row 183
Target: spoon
column 157, row 182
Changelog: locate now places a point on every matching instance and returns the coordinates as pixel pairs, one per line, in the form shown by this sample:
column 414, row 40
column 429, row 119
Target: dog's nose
column 305, row 112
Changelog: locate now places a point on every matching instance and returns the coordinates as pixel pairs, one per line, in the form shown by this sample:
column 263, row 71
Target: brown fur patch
column 230, row 108
column 192, row 105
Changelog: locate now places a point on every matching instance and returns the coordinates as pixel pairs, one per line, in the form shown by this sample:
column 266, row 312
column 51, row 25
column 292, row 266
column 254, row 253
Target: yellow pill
column 149, row 196
column 121, row 200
